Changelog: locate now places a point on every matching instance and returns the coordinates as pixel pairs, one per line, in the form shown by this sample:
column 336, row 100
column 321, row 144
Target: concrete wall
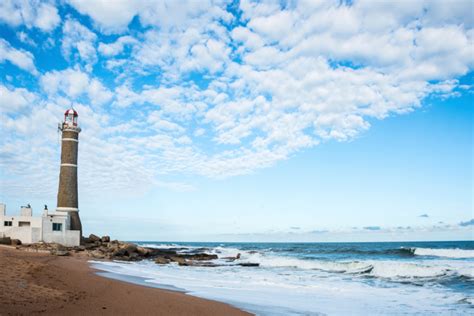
column 26, row 211
column 64, row 237
column 40, row 229
column 23, row 233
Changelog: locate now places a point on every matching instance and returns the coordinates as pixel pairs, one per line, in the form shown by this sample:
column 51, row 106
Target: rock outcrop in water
column 103, row 248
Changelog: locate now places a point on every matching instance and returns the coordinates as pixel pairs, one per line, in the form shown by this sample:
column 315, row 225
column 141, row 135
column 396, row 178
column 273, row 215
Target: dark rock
column 16, row 242
column 144, row 251
column 119, row 252
column 5, row 241
column 129, row 248
column 179, row 260
column 89, row 246
column 161, row 252
column 55, row 246
column 60, row 252
column 162, row 260
column 249, row 264
column 93, row 238
column 205, row 264
column 134, row 256
column 97, row 254
column 113, row 246
column 184, row 263
column 105, row 239
column 200, row 256
column 231, row 259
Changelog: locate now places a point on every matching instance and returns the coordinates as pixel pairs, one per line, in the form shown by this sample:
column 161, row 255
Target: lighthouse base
column 75, row 221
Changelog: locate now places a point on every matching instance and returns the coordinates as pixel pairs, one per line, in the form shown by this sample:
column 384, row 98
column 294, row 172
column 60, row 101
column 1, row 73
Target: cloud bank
column 213, row 88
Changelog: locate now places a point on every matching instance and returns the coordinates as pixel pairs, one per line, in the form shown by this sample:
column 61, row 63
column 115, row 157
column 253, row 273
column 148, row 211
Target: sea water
column 320, row 278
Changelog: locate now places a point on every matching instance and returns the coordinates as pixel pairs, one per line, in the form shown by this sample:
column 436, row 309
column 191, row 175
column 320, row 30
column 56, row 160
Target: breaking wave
column 387, row 269
column 447, row 253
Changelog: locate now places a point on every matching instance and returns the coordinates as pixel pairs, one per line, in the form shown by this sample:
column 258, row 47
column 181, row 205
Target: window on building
column 8, row 223
column 24, row 224
column 57, row 227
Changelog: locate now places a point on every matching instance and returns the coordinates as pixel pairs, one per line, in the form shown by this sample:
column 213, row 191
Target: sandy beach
column 39, row 283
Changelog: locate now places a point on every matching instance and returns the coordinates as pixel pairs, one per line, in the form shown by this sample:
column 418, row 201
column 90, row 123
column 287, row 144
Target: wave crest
column 447, row 253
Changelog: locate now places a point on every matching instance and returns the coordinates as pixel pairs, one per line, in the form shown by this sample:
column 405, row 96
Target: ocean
column 390, row 278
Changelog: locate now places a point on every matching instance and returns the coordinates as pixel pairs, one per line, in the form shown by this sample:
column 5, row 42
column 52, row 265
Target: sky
column 244, row 120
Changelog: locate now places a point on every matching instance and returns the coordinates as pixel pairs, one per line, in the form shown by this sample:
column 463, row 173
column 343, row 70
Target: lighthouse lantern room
column 70, row 117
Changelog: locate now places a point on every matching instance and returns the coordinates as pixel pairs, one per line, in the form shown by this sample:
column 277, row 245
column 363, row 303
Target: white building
column 50, row 227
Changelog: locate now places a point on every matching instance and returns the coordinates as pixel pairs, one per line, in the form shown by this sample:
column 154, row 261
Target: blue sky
column 217, row 120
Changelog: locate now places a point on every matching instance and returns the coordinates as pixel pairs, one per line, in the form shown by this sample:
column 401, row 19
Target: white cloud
column 25, row 38
column 20, row 58
column 116, row 47
column 108, row 18
column 31, row 13
column 166, row 14
column 74, row 83
column 78, row 41
column 198, row 92
column 14, row 100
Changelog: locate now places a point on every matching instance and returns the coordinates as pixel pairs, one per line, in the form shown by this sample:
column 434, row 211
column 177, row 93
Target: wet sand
column 39, row 283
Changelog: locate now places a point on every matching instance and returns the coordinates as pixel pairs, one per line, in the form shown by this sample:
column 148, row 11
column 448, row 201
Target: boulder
column 185, row 263
column 97, row 254
column 105, row 239
column 130, row 248
column 205, row 264
column 144, row 251
column 231, row 259
column 249, row 264
column 5, row 241
column 119, row 252
column 16, row 242
column 56, row 247
column 89, row 246
column 161, row 252
column 201, row 256
column 93, row 238
column 60, row 252
column 134, row 256
column 179, row 260
column 106, row 249
column 162, row 260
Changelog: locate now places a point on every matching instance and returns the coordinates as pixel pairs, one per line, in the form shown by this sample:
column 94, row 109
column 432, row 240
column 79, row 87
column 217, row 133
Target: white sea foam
column 284, row 290
column 377, row 268
column 289, row 285
column 447, row 253
column 394, row 270
column 289, row 262
column 160, row 246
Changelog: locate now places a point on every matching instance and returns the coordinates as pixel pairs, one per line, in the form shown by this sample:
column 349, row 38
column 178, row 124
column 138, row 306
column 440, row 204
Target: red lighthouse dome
column 70, row 117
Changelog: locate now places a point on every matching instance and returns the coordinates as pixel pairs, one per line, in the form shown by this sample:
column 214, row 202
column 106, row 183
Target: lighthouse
column 67, row 192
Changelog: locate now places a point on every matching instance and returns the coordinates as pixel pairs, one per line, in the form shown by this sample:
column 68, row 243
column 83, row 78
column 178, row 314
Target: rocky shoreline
column 106, row 249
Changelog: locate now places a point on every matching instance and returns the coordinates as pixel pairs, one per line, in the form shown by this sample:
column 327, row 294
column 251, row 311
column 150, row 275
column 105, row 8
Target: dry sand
column 39, row 283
